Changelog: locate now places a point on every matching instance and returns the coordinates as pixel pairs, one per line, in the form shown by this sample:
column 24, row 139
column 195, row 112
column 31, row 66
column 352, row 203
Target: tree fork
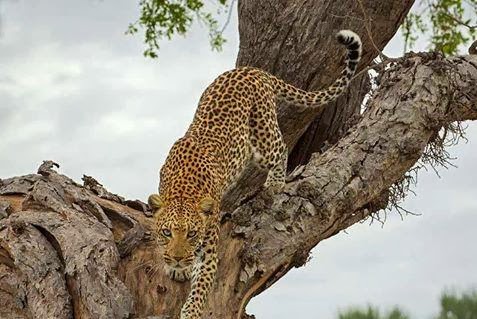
column 287, row 38
column 283, row 38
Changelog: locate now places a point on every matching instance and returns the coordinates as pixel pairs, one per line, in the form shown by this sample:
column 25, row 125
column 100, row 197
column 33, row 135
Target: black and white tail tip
column 352, row 42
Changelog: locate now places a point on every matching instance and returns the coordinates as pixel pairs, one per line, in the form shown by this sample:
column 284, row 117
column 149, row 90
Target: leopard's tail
column 296, row 96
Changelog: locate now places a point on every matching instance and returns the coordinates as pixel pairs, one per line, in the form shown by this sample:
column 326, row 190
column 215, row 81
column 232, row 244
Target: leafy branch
column 166, row 18
column 448, row 21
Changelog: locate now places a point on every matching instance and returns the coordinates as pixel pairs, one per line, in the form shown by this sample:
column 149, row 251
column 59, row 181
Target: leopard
column 235, row 122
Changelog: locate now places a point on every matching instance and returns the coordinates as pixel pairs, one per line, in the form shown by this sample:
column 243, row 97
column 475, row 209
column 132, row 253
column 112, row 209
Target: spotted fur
column 235, row 121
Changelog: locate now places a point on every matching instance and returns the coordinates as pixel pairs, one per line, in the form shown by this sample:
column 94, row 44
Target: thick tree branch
column 416, row 99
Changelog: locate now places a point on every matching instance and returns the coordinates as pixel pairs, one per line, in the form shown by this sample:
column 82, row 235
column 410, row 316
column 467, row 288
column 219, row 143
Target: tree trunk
column 283, row 38
column 70, row 250
column 287, row 39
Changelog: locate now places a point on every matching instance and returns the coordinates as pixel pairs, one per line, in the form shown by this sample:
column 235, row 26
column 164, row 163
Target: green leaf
column 167, row 18
column 451, row 24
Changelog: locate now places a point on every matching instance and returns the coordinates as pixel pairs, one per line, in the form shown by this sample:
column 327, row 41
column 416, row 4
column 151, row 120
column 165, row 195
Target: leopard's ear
column 155, row 201
column 207, row 205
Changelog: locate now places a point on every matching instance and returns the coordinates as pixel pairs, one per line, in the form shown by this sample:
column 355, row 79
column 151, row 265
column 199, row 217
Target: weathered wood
column 41, row 270
column 59, row 230
column 415, row 101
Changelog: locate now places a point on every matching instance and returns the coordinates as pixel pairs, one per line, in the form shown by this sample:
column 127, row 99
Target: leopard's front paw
column 274, row 186
column 178, row 274
column 190, row 310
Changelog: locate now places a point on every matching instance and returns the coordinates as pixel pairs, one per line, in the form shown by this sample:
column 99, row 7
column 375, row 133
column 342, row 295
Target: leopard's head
column 180, row 226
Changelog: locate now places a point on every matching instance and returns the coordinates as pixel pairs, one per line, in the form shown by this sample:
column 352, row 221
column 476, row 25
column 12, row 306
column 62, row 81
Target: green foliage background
column 453, row 306
column 450, row 24
column 167, row 18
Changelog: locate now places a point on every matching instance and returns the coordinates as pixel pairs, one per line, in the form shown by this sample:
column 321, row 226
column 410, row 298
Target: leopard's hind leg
column 268, row 148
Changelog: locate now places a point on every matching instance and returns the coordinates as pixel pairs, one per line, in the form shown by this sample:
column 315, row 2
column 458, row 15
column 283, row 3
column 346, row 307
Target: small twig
column 401, row 209
column 347, row 17
column 229, row 16
column 465, row 24
column 368, row 30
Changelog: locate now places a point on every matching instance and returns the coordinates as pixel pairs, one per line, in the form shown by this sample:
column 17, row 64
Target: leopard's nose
column 178, row 258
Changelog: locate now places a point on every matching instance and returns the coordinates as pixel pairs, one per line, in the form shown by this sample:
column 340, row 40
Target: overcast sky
column 75, row 89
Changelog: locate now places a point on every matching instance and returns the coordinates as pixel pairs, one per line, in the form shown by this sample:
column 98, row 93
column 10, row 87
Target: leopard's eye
column 191, row 233
column 166, row 232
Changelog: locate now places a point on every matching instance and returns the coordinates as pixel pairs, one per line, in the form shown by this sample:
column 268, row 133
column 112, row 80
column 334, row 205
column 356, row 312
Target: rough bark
column 67, row 249
column 287, row 39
